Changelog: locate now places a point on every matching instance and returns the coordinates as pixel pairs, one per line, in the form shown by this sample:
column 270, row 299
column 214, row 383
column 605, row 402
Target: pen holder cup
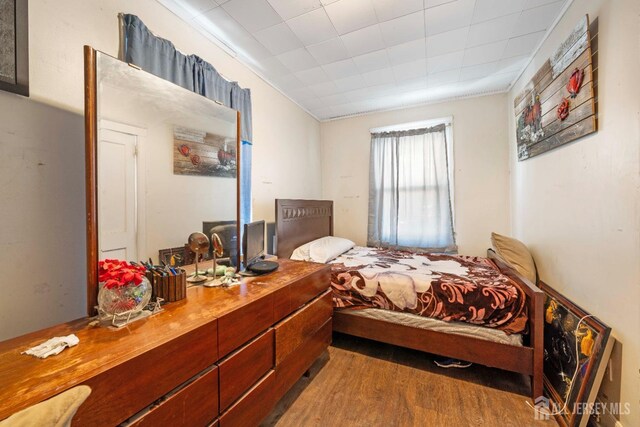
column 168, row 287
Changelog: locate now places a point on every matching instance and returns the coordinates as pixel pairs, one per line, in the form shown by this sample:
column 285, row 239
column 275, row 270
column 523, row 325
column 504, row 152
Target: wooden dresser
column 221, row 357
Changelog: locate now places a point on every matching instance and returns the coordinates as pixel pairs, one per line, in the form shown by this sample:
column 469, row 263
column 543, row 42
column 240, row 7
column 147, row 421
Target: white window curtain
column 410, row 204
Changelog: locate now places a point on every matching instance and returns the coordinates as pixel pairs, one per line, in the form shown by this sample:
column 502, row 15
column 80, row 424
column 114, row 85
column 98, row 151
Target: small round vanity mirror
column 218, row 249
column 198, row 243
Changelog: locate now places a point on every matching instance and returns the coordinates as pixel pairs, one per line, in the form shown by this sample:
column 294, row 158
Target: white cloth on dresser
column 53, row 346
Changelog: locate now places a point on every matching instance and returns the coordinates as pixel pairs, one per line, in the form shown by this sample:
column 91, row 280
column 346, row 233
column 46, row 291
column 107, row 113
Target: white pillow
column 301, row 253
column 323, row 249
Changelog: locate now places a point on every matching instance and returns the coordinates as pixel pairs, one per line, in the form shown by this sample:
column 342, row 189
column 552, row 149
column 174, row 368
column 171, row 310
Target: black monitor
column 253, row 242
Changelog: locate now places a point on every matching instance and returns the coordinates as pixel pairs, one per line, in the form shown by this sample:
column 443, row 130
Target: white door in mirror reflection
column 117, row 198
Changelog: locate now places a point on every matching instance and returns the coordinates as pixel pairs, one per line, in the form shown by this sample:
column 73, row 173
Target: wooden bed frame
column 300, row 221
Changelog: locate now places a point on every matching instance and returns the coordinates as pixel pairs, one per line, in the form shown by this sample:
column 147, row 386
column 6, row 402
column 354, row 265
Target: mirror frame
column 91, row 174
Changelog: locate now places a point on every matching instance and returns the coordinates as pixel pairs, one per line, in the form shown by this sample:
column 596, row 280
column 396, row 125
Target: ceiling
column 343, row 57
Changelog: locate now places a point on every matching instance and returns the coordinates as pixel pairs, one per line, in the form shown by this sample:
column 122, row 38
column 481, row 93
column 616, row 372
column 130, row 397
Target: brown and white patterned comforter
column 446, row 287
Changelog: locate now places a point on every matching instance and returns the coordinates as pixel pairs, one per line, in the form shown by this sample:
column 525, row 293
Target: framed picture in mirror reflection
column 198, row 152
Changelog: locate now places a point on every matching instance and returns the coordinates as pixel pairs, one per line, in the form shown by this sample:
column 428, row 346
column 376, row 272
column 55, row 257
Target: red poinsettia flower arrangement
column 115, row 273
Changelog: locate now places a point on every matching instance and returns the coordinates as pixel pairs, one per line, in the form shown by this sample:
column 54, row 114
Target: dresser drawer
column 121, row 392
column 254, row 406
column 292, row 368
column 244, row 367
column 307, row 288
column 194, row 405
column 239, row 326
column 301, row 325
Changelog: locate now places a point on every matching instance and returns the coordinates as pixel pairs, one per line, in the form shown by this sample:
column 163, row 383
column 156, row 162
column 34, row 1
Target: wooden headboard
column 301, row 221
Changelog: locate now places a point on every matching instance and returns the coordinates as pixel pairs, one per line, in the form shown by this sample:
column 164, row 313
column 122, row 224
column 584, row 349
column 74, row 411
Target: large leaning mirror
column 162, row 162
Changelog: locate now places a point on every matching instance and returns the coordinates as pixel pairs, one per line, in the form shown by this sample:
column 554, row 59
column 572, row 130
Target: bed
column 516, row 347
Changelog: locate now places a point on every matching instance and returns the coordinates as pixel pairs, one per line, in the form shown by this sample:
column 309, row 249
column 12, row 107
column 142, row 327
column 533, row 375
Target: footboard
column 535, row 303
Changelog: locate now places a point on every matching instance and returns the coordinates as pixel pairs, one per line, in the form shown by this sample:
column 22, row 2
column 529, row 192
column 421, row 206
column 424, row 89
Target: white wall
column 286, row 149
column 577, row 206
column 481, row 177
column 42, row 240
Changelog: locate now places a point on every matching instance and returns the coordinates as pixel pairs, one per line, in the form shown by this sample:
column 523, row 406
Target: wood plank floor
column 365, row 383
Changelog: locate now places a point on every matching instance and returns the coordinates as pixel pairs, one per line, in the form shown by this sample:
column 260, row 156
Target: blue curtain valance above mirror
column 159, row 56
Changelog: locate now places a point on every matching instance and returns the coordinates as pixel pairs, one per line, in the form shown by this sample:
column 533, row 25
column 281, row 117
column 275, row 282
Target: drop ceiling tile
column 301, row 94
column 505, row 79
column 403, row 29
column 291, row 83
column 329, row 51
column 493, row 82
column 449, row 16
column 491, row 31
column 288, row 9
column 360, row 94
column 297, row 60
column 357, row 95
column 372, row 61
column 433, row 3
column 513, row 64
column 478, row 71
column 335, row 99
column 219, row 24
column 414, row 84
column 378, row 77
column 359, row 106
column 390, row 9
column 322, row 89
column 530, row 4
column 197, row 7
column 364, row 40
column 342, row 110
column 313, row 27
column 351, row 15
column 249, row 47
column 286, row 80
column 278, row 39
column 410, row 70
column 312, row 76
column 409, row 98
column 340, row 69
column 523, row 45
column 386, row 102
column 323, row 113
column 446, row 62
column 483, row 54
column 486, row 10
column 406, row 52
column 313, row 103
column 537, row 19
column 446, row 77
column 271, row 66
column 253, row 15
column 350, row 83
column 447, row 42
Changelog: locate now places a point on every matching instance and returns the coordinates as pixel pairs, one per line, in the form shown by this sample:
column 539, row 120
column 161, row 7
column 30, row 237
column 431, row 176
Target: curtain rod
column 413, row 125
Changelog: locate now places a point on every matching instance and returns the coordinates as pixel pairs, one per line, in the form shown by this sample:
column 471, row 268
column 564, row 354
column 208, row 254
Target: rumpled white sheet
column 53, row 346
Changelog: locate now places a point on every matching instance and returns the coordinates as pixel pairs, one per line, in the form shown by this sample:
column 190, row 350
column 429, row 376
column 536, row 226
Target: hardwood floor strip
column 366, row 383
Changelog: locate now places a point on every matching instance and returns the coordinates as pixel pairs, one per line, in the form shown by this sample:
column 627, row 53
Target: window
column 410, row 187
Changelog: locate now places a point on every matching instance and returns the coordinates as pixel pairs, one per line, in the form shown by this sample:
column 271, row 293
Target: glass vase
column 130, row 298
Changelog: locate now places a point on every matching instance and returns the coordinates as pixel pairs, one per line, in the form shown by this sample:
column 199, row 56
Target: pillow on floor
column 55, row 412
column 515, row 253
